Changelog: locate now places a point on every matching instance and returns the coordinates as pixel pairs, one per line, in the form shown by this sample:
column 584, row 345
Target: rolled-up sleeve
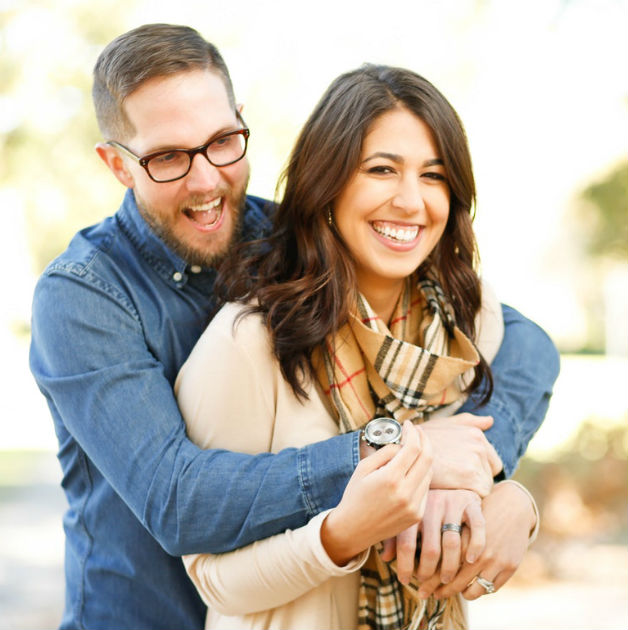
column 107, row 391
column 524, row 372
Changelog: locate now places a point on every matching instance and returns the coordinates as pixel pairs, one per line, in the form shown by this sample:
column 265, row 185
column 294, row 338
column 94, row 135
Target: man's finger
column 471, row 420
column 494, row 460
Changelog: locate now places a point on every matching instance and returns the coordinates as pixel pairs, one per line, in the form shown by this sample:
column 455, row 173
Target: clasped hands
column 496, row 520
column 442, row 473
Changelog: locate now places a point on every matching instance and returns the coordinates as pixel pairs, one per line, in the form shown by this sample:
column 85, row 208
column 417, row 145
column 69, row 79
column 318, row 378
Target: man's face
column 197, row 216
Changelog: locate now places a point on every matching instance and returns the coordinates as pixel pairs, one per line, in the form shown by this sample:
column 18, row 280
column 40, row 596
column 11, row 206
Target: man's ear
column 115, row 163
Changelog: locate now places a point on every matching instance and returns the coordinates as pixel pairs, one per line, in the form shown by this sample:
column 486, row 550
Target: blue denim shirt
column 114, row 318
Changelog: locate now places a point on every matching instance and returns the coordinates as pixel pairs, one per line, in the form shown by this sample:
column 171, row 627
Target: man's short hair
column 151, row 50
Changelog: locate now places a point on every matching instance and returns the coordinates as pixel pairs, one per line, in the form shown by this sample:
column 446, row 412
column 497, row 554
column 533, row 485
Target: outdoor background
column 542, row 87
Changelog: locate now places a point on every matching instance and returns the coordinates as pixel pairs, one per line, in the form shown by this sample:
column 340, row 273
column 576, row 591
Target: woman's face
column 394, row 208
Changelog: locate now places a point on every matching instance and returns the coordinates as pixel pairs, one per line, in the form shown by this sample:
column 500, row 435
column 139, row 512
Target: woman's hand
column 443, row 506
column 458, row 507
column 385, row 495
column 510, row 517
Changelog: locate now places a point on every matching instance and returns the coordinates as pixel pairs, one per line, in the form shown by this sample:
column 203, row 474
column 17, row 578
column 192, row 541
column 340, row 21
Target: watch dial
column 383, row 431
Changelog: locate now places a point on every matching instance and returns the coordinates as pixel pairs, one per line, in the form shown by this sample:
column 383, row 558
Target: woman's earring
column 330, row 218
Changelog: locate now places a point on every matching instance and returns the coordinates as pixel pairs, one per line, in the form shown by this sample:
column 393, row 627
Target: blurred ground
column 574, row 578
column 31, row 541
column 587, row 587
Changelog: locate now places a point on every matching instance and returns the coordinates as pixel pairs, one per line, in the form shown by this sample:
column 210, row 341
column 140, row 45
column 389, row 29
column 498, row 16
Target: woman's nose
column 409, row 196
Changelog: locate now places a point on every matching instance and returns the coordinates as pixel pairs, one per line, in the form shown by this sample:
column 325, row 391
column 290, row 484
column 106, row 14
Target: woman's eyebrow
column 433, row 162
column 398, row 158
column 383, row 154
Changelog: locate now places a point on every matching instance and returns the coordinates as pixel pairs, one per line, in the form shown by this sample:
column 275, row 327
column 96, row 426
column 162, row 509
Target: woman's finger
column 450, row 543
column 484, row 583
column 477, row 525
column 406, row 549
column 389, row 549
column 430, row 541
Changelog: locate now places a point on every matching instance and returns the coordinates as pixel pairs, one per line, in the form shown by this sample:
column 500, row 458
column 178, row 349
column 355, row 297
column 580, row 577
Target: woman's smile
column 396, row 235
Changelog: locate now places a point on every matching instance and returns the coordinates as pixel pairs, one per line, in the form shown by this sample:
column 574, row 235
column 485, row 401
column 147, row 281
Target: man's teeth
column 403, row 235
column 206, row 207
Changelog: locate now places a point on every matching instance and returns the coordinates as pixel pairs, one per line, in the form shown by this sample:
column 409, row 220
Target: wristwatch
column 381, row 431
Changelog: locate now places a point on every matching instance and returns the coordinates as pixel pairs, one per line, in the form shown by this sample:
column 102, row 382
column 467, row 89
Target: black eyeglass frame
column 145, row 159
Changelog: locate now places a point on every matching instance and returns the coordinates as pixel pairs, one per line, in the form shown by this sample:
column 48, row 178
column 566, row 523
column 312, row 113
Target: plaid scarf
column 405, row 371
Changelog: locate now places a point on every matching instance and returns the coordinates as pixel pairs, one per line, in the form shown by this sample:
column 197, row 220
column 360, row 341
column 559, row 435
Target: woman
column 365, row 303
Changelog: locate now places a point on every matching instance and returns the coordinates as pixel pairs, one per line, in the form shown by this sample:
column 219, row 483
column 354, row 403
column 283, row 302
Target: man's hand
column 510, row 517
column 463, row 457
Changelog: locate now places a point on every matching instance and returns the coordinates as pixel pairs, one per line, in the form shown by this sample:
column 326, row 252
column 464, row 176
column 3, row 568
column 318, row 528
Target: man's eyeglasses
column 168, row 166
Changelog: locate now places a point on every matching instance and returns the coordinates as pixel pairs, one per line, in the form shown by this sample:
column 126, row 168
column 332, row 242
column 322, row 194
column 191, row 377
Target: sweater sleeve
column 230, row 393
column 267, row 573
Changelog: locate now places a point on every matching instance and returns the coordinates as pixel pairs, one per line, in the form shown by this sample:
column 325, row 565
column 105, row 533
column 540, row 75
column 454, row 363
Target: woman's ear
column 110, row 156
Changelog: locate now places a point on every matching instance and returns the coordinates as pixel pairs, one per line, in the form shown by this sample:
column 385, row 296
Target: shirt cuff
column 324, row 470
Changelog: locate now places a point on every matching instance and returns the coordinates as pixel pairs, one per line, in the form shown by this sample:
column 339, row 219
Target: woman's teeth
column 401, row 234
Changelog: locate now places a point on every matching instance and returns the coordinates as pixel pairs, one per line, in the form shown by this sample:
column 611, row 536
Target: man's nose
column 203, row 174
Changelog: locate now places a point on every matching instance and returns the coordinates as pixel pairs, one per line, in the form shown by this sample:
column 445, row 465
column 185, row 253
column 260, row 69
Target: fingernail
column 422, row 595
column 445, row 580
column 471, row 558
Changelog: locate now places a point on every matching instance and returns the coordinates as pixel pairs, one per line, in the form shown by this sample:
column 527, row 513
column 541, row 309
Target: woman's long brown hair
column 301, row 279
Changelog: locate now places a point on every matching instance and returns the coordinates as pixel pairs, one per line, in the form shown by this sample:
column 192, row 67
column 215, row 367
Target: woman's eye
column 380, row 170
column 435, row 176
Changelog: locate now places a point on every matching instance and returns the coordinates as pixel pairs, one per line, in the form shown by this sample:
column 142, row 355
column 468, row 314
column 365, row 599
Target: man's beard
column 195, row 255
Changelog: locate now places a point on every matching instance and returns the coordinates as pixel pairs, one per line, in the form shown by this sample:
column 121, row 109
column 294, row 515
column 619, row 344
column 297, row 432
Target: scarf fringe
column 434, row 614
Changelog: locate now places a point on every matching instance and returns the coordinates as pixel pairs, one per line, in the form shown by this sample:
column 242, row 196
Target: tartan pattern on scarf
column 404, row 371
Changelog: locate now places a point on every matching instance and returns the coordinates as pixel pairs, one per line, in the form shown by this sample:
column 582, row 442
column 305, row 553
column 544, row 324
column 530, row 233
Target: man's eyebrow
column 394, row 157
column 172, row 147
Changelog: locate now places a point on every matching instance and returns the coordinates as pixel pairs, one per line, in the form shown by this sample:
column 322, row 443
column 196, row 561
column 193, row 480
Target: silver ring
column 451, row 527
column 487, row 585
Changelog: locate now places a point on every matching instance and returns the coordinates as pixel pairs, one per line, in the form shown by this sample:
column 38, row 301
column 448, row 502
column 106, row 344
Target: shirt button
column 195, row 269
column 177, row 276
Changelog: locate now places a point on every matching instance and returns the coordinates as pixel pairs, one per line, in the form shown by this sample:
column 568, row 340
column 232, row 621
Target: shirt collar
column 255, row 224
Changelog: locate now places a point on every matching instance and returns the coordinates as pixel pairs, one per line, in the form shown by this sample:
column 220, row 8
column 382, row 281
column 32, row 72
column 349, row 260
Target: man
column 115, row 316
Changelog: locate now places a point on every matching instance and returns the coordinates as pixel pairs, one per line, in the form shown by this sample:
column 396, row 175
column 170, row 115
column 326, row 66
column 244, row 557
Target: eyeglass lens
column 174, row 164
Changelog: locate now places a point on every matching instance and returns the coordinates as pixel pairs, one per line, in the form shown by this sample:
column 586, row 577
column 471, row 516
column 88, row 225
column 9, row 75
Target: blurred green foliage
column 605, row 214
column 63, row 185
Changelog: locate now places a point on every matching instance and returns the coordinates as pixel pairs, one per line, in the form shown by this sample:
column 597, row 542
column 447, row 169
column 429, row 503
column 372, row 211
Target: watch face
column 382, row 431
